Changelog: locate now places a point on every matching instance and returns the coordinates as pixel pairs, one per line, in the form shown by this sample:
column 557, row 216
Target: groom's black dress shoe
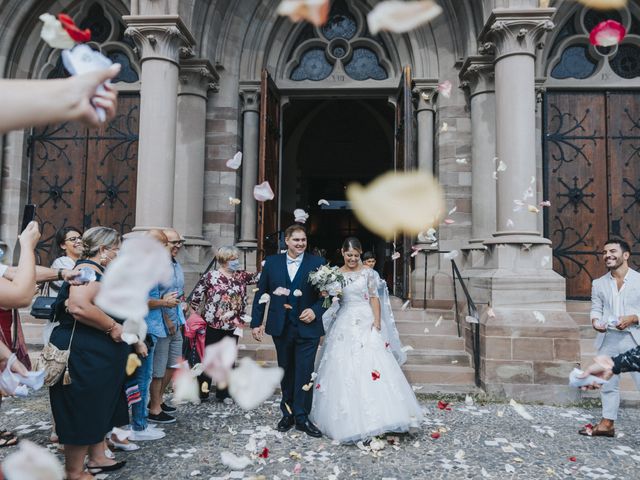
column 285, row 424
column 309, row 428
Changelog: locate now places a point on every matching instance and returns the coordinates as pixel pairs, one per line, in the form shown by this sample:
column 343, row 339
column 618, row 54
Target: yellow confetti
column 204, row 388
column 295, row 455
column 133, row 362
column 307, row 387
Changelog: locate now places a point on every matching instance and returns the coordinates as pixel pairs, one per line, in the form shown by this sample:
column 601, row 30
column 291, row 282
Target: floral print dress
column 224, row 298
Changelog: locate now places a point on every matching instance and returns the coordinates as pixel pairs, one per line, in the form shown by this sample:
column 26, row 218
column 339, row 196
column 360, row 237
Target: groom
column 294, row 322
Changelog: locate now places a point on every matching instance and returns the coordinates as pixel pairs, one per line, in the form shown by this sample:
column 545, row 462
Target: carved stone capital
column 161, row 37
column 516, row 31
column 250, row 96
column 425, row 94
column 477, row 75
column 197, row 76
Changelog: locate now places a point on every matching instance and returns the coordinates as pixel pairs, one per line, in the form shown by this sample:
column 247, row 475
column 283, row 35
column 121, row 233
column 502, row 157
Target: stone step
column 417, row 315
column 446, row 327
column 439, row 375
column 434, row 341
column 578, row 306
column 438, row 357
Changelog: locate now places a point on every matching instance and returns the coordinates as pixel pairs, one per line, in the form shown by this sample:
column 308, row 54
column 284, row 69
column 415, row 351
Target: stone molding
column 161, row 37
column 197, row 76
column 477, row 75
column 510, row 31
column 425, row 94
column 250, row 95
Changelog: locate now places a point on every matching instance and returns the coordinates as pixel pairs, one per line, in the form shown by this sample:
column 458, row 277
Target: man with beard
column 615, row 306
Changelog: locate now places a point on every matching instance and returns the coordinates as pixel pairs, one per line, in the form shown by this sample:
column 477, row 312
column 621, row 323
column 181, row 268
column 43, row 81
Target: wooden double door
column 85, row 177
column 592, row 178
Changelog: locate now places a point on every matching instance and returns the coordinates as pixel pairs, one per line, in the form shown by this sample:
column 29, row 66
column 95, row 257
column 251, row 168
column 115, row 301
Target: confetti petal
column 264, row 453
column 444, row 88
column 533, row 209
column 80, row 36
column 264, row 298
column 607, row 34
column 545, row 203
column 32, row 462
column 445, row 127
column 297, row 293
column 510, row 223
column 250, row 385
column 449, row 221
column 234, row 462
column 53, row 34
column 520, row 410
column 263, row 192
column 281, row 291
column 142, row 263
column 235, row 162
column 133, row 362
column 397, row 202
column 439, row 321
column 234, row 201
column 375, row 375
column 539, row 316
column 185, row 386
column 451, row 255
column 395, row 256
column 219, row 358
column 435, row 435
column 461, row 161
column 322, row 201
column 399, row 17
column 300, row 216
column 313, row 11
column 405, row 305
column 501, row 166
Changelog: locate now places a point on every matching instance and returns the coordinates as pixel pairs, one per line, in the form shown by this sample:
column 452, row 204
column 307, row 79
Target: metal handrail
column 473, row 312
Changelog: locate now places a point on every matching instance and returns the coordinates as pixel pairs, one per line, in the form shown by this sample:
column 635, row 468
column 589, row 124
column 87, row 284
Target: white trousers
column 615, row 343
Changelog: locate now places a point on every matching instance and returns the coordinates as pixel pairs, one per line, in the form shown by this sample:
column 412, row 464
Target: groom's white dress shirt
column 293, row 264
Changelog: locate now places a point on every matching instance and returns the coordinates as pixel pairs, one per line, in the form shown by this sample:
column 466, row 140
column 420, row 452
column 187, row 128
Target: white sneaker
column 147, row 434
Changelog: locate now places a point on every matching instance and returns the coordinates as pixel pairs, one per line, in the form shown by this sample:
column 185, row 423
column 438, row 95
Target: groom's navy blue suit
column 296, row 342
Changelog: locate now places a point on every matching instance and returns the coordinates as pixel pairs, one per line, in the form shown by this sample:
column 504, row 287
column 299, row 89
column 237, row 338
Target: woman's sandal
column 106, row 468
column 8, row 438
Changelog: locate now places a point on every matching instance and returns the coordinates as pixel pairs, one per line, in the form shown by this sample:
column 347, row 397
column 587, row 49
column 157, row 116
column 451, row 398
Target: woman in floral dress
column 221, row 295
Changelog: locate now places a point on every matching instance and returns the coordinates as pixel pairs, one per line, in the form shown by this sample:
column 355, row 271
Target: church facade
column 536, row 113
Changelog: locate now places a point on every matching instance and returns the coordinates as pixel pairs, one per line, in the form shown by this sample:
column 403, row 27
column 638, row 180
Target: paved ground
column 479, row 441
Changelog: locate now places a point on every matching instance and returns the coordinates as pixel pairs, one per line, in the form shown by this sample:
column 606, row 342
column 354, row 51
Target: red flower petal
column 375, row 375
column 318, row 387
column 573, row 459
column 80, row 36
column 435, row 435
column 443, row 405
column 264, row 453
column 386, row 344
column 607, row 34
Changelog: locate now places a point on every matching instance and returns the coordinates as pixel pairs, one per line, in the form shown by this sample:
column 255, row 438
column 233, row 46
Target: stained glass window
column 313, row 66
column 98, row 23
column 575, row 63
column 127, row 73
column 364, row 64
column 626, row 62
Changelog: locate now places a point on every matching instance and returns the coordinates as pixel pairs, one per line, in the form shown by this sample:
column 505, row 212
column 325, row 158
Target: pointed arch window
column 342, row 45
column 573, row 57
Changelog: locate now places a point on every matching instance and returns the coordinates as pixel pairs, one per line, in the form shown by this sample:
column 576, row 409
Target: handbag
column 55, row 362
column 42, row 306
column 17, row 344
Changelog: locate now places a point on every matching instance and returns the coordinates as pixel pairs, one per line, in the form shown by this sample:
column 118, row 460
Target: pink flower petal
column 235, row 162
column 219, row 358
column 444, row 88
column 449, row 221
column 545, row 203
column 263, row 192
column 607, row 34
column 395, row 256
column 313, row 11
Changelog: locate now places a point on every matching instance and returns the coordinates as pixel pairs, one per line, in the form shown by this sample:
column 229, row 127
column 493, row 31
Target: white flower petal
column 54, row 34
column 539, row 316
column 235, row 162
column 313, row 11
column 263, row 192
column 452, row 211
column 397, row 202
column 297, row 293
column 445, row 127
column 510, row 223
column 141, row 264
column 281, row 291
column 461, row 161
column 134, row 330
column 185, row 386
column 32, row 462
column 300, row 215
column 264, row 298
column 395, row 256
column 322, row 201
column 520, row 410
column 250, row 385
column 405, row 305
column 219, row 358
column 234, row 201
column 501, row 166
column 235, row 462
column 451, row 255
column 533, row 209
column 398, row 16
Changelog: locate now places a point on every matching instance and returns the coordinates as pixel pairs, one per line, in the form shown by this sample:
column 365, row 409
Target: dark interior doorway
column 327, row 144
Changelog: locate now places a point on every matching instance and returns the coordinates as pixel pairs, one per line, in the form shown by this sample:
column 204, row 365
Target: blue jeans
column 139, row 410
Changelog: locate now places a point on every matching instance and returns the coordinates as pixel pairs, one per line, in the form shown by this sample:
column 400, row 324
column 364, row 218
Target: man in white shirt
column 615, row 306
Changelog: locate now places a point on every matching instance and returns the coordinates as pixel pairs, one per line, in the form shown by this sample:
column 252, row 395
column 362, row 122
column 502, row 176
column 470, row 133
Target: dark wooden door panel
column 85, row 177
column 269, row 166
column 111, row 175
column 576, row 185
column 623, row 127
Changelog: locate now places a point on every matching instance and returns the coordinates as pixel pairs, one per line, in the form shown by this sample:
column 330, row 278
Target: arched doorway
column 328, row 144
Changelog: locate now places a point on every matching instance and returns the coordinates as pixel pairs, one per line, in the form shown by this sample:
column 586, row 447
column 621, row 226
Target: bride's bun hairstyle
column 351, row 243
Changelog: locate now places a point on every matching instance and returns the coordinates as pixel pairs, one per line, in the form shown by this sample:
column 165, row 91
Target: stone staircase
column 580, row 312
column 437, row 363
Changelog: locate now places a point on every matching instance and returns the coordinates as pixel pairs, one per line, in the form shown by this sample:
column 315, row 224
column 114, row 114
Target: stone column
column 250, row 96
column 528, row 343
column 477, row 79
column 197, row 77
column 514, row 34
column 159, row 39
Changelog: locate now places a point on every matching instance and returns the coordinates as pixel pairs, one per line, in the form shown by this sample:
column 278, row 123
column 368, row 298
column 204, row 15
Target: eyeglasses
column 73, row 239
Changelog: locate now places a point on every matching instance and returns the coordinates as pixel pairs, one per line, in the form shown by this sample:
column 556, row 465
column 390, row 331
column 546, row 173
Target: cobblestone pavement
column 480, row 441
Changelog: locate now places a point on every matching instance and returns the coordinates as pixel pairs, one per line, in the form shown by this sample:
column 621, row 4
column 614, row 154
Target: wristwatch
column 59, row 274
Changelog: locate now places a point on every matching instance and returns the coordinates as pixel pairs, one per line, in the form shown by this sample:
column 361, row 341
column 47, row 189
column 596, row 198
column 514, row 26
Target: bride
column 360, row 391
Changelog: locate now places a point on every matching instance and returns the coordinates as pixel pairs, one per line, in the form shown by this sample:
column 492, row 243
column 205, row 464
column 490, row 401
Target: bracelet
column 59, row 274
column 108, row 331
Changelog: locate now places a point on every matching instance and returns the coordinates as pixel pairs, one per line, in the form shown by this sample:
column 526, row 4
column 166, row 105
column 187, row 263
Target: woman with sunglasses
column 67, row 250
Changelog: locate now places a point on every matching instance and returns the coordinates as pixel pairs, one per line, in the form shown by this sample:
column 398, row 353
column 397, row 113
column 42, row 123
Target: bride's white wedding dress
column 360, row 390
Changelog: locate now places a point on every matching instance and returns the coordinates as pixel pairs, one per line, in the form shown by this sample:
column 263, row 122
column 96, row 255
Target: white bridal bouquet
column 328, row 279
